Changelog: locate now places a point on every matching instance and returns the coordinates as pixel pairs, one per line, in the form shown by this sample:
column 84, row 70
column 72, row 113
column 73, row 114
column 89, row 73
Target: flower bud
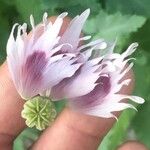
column 39, row 112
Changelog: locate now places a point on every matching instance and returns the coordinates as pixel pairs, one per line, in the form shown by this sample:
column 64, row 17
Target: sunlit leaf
column 114, row 26
column 139, row 7
column 116, row 135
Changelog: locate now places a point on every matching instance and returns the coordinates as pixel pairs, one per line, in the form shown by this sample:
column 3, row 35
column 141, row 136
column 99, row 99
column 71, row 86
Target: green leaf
column 60, row 105
column 7, row 16
column 26, row 8
column 136, row 121
column 114, row 26
column 141, row 124
column 142, row 70
column 143, row 36
column 73, row 7
column 117, row 134
column 3, row 37
column 78, row 6
column 139, row 7
column 36, row 8
column 26, row 139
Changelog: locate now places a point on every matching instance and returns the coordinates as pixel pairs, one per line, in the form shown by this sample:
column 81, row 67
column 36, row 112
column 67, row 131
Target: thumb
column 76, row 131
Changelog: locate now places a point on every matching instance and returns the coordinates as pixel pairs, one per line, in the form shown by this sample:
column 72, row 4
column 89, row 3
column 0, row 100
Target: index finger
column 11, row 104
column 75, row 131
column 105, row 126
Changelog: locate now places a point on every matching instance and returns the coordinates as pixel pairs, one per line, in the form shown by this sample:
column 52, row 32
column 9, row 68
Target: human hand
column 70, row 131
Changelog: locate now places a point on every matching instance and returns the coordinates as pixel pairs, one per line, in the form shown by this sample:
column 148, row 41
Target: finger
column 11, row 124
column 74, row 131
column 132, row 145
column 84, row 120
column 11, row 104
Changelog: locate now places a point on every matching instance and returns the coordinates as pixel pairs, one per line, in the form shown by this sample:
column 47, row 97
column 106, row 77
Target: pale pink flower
column 54, row 65
column 39, row 62
column 104, row 97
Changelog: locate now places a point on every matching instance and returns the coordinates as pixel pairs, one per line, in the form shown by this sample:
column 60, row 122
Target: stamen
column 85, row 38
column 32, row 21
column 63, row 15
column 45, row 18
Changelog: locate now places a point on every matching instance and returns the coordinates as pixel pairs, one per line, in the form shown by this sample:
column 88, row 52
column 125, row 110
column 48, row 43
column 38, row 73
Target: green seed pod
column 39, row 112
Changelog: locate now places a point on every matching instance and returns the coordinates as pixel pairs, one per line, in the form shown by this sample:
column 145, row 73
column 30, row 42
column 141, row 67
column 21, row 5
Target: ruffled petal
column 103, row 101
column 72, row 33
column 80, row 84
column 15, row 51
column 50, row 37
column 59, row 70
column 107, row 106
column 58, row 66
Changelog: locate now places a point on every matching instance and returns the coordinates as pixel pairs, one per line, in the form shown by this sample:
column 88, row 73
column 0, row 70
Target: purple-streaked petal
column 11, row 45
column 108, row 105
column 59, row 70
column 56, row 66
column 93, row 43
column 32, row 74
column 80, row 84
column 95, row 97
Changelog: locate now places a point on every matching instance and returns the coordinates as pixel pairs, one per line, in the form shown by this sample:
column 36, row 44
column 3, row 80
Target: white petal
column 107, row 112
column 118, row 86
column 45, row 18
column 85, row 38
column 32, row 21
column 72, row 33
column 125, row 71
column 56, row 49
column 78, row 85
column 136, row 99
column 93, row 43
column 11, row 41
column 59, row 70
column 50, row 37
column 130, row 50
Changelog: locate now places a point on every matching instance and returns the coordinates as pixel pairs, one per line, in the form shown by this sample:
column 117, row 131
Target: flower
column 40, row 61
column 104, row 97
column 57, row 66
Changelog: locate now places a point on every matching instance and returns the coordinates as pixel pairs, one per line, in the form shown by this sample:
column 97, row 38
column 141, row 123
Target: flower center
column 39, row 112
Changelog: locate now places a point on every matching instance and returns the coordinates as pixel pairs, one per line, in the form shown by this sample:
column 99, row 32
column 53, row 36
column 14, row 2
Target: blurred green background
column 126, row 20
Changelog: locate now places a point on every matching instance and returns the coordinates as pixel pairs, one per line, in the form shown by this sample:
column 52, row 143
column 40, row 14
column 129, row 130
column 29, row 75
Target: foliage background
column 128, row 21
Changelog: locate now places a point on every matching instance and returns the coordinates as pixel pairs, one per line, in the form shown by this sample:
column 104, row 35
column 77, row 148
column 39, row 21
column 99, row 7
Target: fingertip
column 11, row 104
column 133, row 145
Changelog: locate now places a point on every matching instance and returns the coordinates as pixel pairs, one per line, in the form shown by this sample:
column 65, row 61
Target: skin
column 70, row 131
column 132, row 145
